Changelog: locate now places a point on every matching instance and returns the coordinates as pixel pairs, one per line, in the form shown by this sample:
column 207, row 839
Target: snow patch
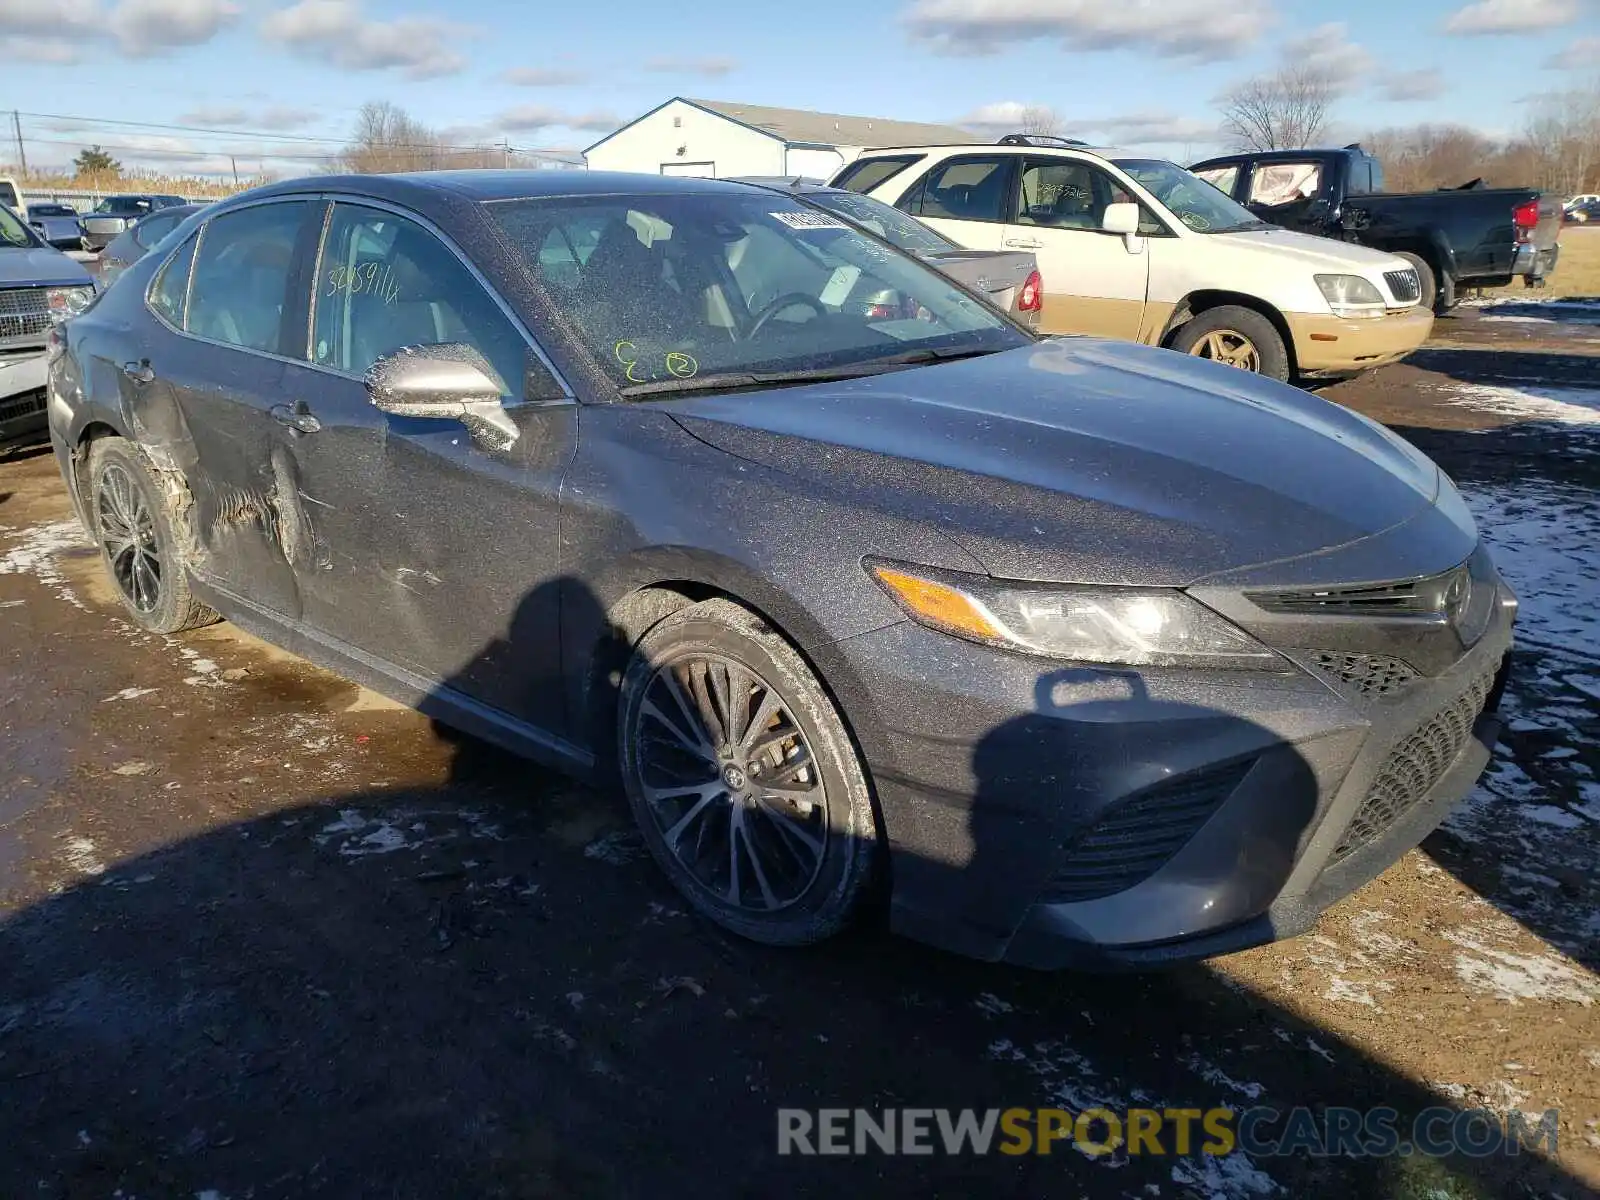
column 1563, row 406
column 37, row 553
column 1513, row 977
column 1232, row 1176
column 130, row 694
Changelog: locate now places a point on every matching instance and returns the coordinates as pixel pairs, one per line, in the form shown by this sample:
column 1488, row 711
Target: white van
column 1135, row 247
column 11, row 195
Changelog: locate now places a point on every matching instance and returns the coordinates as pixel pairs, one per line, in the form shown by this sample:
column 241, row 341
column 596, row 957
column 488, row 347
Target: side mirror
column 450, row 382
column 1121, row 218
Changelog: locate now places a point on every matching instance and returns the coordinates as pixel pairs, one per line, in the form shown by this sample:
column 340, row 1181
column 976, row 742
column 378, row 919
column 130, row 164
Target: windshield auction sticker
column 808, row 220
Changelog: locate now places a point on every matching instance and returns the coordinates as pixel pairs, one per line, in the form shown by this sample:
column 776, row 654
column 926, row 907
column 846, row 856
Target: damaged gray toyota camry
column 1072, row 652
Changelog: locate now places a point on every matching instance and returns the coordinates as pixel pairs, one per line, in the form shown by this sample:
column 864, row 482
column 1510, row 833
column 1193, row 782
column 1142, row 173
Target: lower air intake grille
column 1136, row 838
column 1414, row 767
column 1369, row 674
column 1404, row 285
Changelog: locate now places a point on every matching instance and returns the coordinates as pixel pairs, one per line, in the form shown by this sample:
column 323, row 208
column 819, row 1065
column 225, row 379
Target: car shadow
column 483, row 988
column 1506, row 367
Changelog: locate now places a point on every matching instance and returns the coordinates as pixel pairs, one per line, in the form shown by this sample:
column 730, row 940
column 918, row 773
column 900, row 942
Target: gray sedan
column 1071, row 651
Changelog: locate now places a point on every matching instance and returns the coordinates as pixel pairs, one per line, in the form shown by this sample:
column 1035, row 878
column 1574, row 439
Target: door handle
column 297, row 417
column 1024, row 243
column 139, row 372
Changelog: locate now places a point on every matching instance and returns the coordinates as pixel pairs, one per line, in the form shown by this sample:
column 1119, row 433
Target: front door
column 419, row 544
column 211, row 392
column 1094, row 282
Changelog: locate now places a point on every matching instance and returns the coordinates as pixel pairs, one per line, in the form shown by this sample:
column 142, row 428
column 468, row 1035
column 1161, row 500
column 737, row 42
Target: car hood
column 32, row 265
column 1318, row 253
column 1087, row 461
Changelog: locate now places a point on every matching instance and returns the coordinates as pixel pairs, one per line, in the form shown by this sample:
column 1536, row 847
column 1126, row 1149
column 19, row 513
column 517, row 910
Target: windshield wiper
column 725, row 381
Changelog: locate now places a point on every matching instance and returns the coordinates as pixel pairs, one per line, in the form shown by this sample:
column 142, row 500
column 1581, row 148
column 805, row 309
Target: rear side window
column 152, row 229
column 241, row 276
column 1279, row 183
column 963, row 189
column 171, row 285
column 385, row 283
column 866, row 174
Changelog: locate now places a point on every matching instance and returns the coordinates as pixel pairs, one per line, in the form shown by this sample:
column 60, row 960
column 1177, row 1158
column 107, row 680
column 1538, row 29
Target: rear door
column 1094, row 282
column 419, row 545
column 965, row 198
column 236, row 314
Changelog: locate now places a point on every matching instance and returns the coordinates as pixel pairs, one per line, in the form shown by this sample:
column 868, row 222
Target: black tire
column 131, row 522
column 1446, row 298
column 1426, row 279
column 808, row 855
column 1259, row 341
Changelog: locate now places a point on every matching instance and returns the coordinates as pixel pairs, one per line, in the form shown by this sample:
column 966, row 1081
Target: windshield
column 123, row 206
column 12, row 231
column 670, row 288
column 890, row 224
column 1191, row 199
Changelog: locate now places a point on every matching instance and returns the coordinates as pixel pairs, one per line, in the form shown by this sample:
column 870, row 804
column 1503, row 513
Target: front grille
column 1433, row 596
column 1415, row 766
column 25, row 405
column 24, row 312
column 1136, row 838
column 1404, row 285
column 1369, row 674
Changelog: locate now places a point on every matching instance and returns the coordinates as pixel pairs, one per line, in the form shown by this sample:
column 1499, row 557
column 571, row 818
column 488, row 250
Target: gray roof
column 834, row 129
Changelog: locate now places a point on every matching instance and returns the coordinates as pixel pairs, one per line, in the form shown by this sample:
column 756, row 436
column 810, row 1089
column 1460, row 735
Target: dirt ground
column 267, row 935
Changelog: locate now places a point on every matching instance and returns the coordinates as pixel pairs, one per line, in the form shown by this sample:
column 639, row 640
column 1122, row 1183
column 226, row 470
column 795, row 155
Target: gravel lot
column 267, row 935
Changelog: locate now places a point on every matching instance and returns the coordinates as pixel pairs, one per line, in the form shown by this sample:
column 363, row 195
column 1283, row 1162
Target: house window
column 677, row 122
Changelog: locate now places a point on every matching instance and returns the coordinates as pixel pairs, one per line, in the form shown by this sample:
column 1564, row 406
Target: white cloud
column 274, row 119
column 706, row 68
column 1580, row 54
column 144, row 26
column 1511, row 16
column 1197, row 29
column 1425, row 84
column 1328, row 50
column 57, row 51
column 136, row 27
column 336, row 31
column 528, row 118
column 536, row 77
column 1135, row 129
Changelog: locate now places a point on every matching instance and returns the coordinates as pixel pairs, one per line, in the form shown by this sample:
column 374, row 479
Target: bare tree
column 1564, row 135
column 388, row 139
column 1038, row 118
column 1287, row 110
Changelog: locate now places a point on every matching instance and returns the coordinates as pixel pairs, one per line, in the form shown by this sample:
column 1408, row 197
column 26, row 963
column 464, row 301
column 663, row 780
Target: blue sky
column 559, row 75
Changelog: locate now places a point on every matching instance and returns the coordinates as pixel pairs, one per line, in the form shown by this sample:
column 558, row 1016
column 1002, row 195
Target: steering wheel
column 787, row 300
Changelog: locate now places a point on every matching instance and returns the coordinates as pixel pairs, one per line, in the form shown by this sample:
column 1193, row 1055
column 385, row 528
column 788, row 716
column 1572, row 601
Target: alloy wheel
column 128, row 536
column 1229, row 347
column 731, row 781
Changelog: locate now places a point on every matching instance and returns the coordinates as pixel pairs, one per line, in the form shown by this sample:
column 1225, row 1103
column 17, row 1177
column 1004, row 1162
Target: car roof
column 1107, row 152
column 485, row 186
column 784, row 183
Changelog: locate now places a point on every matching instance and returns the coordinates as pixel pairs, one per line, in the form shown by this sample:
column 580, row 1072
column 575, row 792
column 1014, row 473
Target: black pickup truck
column 1456, row 238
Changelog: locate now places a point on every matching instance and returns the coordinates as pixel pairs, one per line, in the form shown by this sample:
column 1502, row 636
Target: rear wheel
column 1236, row 337
column 132, row 524
column 742, row 777
column 1426, row 280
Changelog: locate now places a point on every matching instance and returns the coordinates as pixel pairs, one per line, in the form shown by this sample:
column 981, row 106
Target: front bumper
column 23, row 414
column 1326, row 344
column 994, row 771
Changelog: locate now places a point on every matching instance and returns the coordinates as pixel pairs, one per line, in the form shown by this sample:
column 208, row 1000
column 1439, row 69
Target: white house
column 718, row 139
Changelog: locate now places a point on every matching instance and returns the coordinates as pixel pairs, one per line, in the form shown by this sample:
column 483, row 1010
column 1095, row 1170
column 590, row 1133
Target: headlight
column 68, row 302
column 1131, row 626
column 1351, row 295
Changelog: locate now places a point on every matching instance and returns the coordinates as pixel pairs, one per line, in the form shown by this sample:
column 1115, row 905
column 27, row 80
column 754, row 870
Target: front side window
column 386, row 283
column 1066, row 193
column 171, row 286
column 12, row 231
column 1196, row 203
column 241, row 276
column 1279, row 183
column 152, row 229
column 675, row 287
column 963, row 189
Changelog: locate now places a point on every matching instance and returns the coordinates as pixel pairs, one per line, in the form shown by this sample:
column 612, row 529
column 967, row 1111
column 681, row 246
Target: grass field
column 1577, row 274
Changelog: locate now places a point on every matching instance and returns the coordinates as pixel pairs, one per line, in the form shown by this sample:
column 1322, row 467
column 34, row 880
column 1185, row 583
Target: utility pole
column 505, row 153
column 22, row 151
column 235, row 163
